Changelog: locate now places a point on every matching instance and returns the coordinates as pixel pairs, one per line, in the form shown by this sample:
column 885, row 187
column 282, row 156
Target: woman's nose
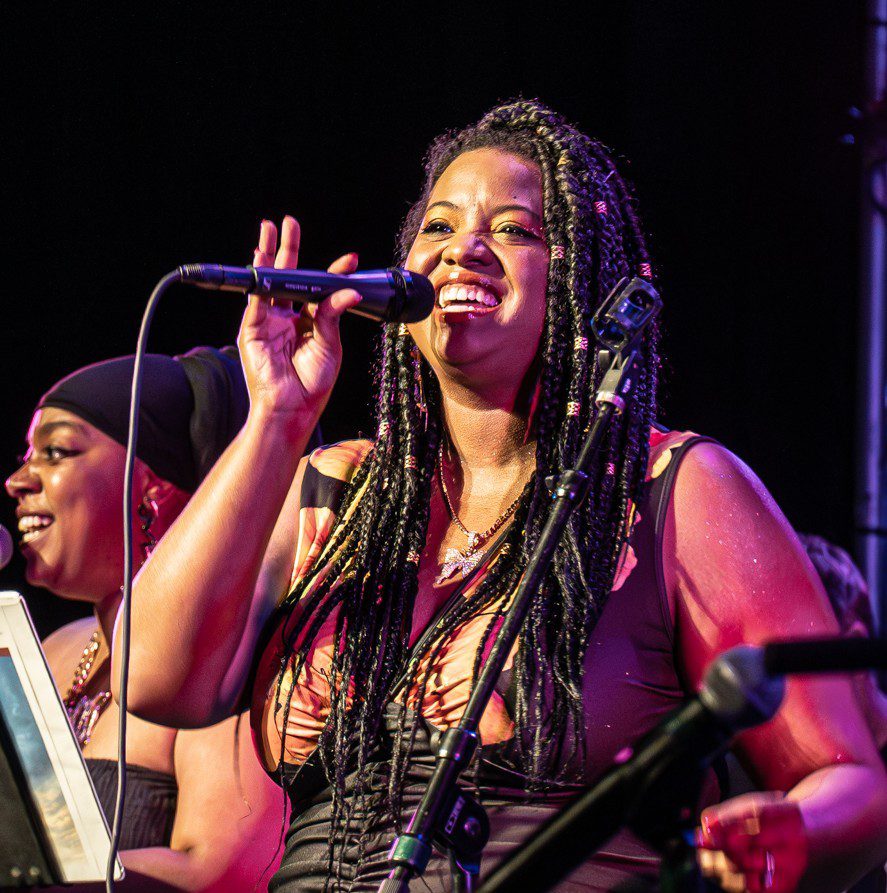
column 21, row 481
column 467, row 249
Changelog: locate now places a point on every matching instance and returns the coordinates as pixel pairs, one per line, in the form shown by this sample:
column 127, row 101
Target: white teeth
column 461, row 293
column 29, row 524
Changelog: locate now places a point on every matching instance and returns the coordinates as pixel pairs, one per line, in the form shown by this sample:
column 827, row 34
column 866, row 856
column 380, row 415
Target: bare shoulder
column 710, row 474
column 740, row 575
column 725, row 518
column 722, row 512
column 64, row 647
column 340, row 460
column 734, row 566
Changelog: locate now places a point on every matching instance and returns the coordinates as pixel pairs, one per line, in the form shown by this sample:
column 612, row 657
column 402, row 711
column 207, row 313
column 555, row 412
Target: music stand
column 53, row 828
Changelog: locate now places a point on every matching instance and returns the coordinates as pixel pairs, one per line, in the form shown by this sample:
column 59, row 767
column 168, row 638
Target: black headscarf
column 192, row 407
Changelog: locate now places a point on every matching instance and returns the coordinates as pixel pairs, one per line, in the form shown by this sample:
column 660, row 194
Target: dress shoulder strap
column 328, row 472
column 667, row 451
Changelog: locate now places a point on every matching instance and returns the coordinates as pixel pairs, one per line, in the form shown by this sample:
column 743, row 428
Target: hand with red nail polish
column 756, row 842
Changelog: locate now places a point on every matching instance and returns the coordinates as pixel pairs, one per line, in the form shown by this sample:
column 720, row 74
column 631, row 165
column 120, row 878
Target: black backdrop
column 135, row 141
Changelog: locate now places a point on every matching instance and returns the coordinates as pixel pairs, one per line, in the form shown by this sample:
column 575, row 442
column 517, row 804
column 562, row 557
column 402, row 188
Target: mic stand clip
column 448, row 816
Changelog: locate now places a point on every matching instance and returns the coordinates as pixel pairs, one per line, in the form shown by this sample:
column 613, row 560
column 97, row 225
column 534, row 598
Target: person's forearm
column 135, row 880
column 845, row 816
column 163, row 870
column 191, row 600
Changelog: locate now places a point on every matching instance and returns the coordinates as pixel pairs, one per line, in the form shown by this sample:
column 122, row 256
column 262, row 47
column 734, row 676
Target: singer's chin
column 38, row 571
column 460, row 350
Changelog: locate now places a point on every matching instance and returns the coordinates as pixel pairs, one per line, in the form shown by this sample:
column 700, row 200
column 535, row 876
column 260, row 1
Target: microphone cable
column 122, row 626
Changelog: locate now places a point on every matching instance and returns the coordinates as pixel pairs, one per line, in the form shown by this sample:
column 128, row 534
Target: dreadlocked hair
column 370, row 578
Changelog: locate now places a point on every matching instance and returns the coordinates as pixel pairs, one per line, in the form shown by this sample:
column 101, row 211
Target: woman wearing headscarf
column 198, row 815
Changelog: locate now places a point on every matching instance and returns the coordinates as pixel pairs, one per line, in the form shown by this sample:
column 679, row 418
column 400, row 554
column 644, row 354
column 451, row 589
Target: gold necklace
column 83, row 711
column 467, row 559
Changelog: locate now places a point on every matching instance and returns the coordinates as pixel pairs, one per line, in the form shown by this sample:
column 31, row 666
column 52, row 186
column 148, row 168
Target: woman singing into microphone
column 352, row 595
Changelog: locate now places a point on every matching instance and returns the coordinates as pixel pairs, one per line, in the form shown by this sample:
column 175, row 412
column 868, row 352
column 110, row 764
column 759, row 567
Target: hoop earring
column 419, row 389
column 147, row 512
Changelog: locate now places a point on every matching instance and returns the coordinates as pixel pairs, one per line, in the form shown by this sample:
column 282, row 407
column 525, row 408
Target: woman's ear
column 167, row 497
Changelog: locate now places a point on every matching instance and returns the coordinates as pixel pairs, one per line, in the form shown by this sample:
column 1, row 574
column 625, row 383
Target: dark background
column 138, row 141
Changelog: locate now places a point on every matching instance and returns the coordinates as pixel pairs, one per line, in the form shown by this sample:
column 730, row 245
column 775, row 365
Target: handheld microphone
column 6, row 548
column 392, row 295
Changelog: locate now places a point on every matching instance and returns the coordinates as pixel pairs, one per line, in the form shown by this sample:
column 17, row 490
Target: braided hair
column 371, row 579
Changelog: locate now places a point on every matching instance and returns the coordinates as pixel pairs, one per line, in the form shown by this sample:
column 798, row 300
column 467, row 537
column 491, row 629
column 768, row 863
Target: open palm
column 291, row 359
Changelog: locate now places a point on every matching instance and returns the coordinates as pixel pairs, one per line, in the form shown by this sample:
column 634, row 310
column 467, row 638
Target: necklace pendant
column 470, row 562
column 456, row 560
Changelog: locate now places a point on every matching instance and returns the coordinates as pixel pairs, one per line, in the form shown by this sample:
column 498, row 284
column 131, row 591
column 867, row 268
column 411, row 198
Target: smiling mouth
column 461, row 297
column 31, row 526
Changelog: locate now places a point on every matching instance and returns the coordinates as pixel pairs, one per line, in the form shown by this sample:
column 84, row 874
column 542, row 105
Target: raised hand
column 291, row 359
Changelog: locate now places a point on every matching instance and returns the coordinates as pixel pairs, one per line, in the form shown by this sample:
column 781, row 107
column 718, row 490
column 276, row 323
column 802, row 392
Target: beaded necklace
column 84, row 711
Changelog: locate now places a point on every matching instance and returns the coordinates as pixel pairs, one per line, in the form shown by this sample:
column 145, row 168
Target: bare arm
column 198, row 605
column 738, row 574
column 227, row 825
column 200, row 601
column 229, row 816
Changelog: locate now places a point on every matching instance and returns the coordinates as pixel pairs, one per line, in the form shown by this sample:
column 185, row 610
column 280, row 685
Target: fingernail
column 752, row 826
column 698, row 838
column 710, row 829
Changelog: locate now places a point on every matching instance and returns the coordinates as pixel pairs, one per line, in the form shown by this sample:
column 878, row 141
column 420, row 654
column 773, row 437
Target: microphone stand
column 653, row 787
column 447, row 815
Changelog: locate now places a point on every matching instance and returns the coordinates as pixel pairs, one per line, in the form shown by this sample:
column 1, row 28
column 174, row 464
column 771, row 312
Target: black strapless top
column 150, row 806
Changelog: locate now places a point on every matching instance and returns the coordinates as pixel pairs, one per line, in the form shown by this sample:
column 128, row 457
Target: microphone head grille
column 6, row 547
column 418, row 296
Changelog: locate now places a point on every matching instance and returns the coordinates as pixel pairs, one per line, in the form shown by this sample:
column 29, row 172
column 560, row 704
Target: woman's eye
column 436, row 227
column 55, row 453
column 512, row 229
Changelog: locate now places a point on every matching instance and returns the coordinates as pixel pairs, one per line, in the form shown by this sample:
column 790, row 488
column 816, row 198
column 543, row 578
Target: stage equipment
column 53, row 828
column 871, row 464
column 391, row 295
column 6, row 547
column 447, row 815
column 663, row 773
